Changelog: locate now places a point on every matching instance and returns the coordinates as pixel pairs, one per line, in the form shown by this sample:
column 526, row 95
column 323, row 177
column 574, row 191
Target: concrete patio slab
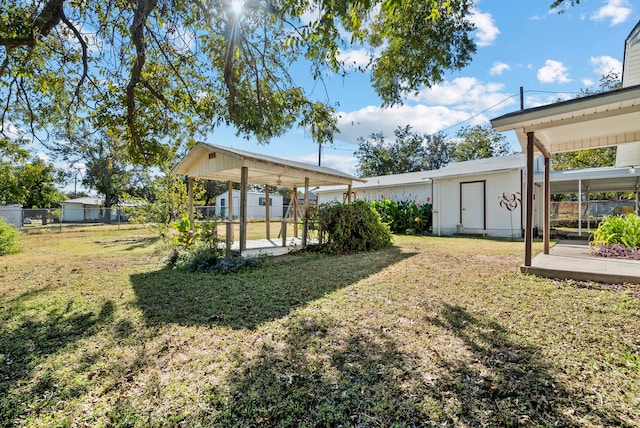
column 573, row 260
column 271, row 247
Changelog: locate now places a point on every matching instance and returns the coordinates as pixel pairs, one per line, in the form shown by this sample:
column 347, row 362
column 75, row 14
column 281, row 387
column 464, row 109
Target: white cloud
column 616, row 10
column 466, row 93
column 344, row 163
column 588, row 82
column 499, row 68
column 356, row 58
column 605, row 64
column 553, row 72
column 486, row 29
column 464, row 99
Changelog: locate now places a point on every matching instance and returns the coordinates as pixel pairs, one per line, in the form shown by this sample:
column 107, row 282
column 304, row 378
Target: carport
column 601, row 120
column 210, row 162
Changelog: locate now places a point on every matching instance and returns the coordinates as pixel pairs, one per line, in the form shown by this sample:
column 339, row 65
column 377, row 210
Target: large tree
column 106, row 171
column 479, row 141
column 26, row 180
column 157, row 70
column 409, row 151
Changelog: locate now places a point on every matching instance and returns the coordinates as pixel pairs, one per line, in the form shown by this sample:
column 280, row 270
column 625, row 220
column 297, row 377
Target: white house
column 12, row 214
column 481, row 196
column 256, row 205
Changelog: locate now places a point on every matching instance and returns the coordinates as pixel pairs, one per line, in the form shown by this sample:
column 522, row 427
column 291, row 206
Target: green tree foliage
column 588, row 158
column 478, row 142
column 157, row 70
column 351, row 228
column 107, row 171
column 165, row 202
column 9, row 243
column 409, row 152
column 25, row 180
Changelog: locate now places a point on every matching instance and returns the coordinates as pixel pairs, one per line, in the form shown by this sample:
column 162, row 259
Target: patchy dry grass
column 433, row 332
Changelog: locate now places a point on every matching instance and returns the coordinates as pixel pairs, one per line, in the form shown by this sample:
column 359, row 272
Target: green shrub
column 405, row 216
column 351, row 228
column 623, row 230
column 8, row 238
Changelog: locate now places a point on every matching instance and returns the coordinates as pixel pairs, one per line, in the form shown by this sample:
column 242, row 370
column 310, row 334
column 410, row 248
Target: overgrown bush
column 8, row 238
column 613, row 229
column 351, row 228
column 405, row 216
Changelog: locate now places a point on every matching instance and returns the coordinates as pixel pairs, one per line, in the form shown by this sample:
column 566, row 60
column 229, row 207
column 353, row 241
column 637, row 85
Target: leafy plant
column 8, row 238
column 405, row 216
column 186, row 236
column 351, row 228
column 623, row 230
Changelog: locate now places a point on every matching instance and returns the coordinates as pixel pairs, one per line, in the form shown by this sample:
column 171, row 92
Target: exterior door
column 472, row 205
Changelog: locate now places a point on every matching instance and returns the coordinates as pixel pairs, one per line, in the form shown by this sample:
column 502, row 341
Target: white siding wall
column 419, row 193
column 12, row 214
column 72, row 212
column 631, row 68
column 447, row 209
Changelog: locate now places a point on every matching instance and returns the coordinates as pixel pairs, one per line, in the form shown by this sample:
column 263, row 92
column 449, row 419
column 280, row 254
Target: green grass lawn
column 432, row 332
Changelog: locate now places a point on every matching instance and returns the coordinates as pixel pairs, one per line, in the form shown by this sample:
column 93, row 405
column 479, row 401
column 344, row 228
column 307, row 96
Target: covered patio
column 601, row 120
column 210, row 162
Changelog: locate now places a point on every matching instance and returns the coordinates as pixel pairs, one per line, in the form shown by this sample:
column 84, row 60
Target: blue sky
column 520, row 43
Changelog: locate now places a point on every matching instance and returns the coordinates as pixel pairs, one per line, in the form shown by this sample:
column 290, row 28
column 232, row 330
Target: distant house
column 90, row 209
column 82, row 209
column 12, row 214
column 256, row 205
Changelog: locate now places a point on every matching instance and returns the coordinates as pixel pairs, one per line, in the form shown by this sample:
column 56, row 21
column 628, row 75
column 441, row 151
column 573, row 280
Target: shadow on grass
column 318, row 377
column 249, row 298
column 25, row 346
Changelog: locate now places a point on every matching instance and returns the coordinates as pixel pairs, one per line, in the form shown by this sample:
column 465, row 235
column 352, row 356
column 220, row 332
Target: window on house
column 262, row 201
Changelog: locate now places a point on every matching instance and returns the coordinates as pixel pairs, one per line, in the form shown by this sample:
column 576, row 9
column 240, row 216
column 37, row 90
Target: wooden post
column 547, row 203
column 349, row 194
column 192, row 225
column 528, row 232
column 244, row 179
column 230, row 208
column 305, row 208
column 295, row 212
column 267, row 213
column 283, row 232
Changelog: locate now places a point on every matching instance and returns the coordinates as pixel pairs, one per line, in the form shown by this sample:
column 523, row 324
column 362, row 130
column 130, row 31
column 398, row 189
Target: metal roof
column 87, row 200
column 600, row 120
column 480, row 166
column 223, row 164
column 381, row 181
column 593, row 180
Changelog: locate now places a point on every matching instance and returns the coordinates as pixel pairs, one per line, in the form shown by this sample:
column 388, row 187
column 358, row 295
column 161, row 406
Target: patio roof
column 600, row 120
column 225, row 164
column 593, row 180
